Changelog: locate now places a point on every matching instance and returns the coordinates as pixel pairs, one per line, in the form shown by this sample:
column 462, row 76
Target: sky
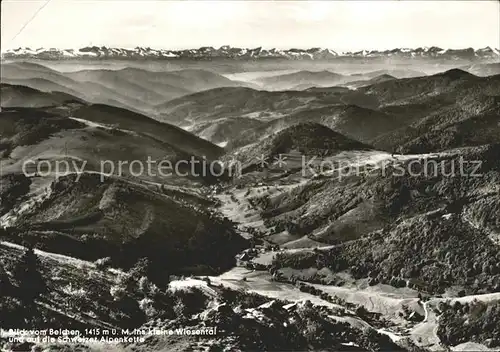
column 338, row 25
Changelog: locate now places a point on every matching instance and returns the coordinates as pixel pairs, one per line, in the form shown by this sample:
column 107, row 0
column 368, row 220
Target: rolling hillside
column 290, row 80
column 382, row 208
column 21, row 96
column 135, row 89
column 91, row 219
column 305, row 138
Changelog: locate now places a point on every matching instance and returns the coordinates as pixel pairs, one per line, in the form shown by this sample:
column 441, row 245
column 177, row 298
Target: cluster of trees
column 141, row 294
column 242, row 298
column 13, row 187
column 134, row 297
column 426, row 253
column 474, row 321
column 302, row 326
column 20, row 290
column 306, row 326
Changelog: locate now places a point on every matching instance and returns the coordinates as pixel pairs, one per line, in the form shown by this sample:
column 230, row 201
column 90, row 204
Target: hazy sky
column 339, row 25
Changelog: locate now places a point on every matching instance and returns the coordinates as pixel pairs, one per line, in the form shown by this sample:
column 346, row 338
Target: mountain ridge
column 228, row 52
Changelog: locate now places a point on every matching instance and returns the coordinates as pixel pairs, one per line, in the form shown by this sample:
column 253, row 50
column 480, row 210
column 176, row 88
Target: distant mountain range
column 360, row 210
column 227, row 52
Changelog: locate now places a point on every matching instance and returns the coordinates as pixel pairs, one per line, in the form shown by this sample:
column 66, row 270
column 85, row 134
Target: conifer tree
column 29, row 277
column 6, row 288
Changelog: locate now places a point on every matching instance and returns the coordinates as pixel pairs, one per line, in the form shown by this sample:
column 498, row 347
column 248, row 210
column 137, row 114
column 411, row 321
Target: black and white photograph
column 237, row 175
